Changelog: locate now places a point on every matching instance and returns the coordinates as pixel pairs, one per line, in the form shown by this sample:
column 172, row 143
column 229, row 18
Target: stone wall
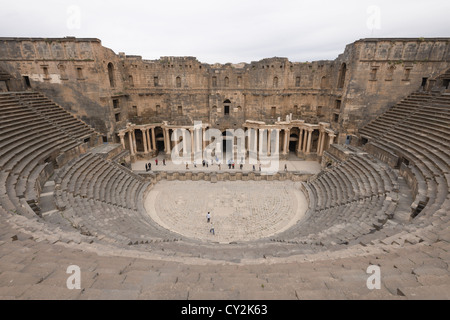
column 107, row 90
column 225, row 176
column 380, row 72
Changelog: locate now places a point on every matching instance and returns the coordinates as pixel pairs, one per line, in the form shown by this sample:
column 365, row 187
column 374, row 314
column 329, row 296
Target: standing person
column 156, row 161
column 285, row 167
column 208, row 217
column 149, row 166
column 146, row 168
column 164, row 162
column 253, row 167
column 195, row 164
column 211, row 230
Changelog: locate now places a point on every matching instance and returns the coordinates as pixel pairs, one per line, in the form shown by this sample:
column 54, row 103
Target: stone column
column 308, row 146
column 255, row 141
column 191, row 131
column 203, row 139
column 122, row 141
column 183, row 133
column 165, row 140
column 305, row 139
column 130, row 138
column 200, row 140
column 248, row 146
column 167, row 147
column 197, row 143
column 153, row 139
column 144, row 137
column 277, row 141
column 261, row 140
column 319, row 144
column 286, row 140
column 300, row 137
column 134, row 141
column 149, row 142
column 269, row 135
column 331, row 137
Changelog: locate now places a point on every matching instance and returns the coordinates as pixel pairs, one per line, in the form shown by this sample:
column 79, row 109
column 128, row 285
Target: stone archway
column 226, row 107
column 293, row 142
column 112, row 82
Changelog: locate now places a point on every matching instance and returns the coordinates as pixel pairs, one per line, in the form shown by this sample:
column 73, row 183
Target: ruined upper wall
column 48, row 48
column 403, row 49
column 381, row 72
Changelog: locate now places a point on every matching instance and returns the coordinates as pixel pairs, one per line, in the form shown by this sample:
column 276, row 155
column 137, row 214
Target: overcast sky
column 226, row 31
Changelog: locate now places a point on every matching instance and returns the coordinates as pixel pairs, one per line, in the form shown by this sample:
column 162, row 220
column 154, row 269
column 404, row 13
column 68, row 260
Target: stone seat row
column 25, row 151
column 422, row 138
column 397, row 113
column 351, row 221
column 432, row 181
column 427, row 149
column 93, row 177
column 355, row 179
column 108, row 222
column 57, row 115
column 30, row 145
column 342, row 224
column 347, row 201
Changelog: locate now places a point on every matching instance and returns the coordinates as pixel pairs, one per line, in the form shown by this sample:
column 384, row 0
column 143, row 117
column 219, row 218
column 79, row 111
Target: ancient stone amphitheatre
column 365, row 139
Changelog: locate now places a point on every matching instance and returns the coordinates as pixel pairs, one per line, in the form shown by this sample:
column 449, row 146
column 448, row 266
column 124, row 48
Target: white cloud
column 226, row 31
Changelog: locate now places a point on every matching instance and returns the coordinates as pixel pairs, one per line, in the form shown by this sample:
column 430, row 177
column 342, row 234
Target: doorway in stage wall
column 227, row 145
column 293, row 142
column 226, row 107
column 159, row 139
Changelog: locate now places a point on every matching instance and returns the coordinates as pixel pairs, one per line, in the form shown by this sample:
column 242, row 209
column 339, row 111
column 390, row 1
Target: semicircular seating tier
column 350, row 203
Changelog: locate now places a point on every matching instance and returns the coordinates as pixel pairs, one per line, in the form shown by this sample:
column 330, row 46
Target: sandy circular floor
column 240, row 210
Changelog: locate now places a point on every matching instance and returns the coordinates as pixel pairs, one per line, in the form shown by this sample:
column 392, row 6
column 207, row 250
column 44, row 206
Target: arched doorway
column 342, row 72
column 139, row 140
column 227, row 145
column 159, row 139
column 293, row 142
column 111, row 75
column 226, row 107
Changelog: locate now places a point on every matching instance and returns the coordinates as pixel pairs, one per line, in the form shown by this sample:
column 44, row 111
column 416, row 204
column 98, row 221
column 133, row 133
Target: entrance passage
column 160, row 142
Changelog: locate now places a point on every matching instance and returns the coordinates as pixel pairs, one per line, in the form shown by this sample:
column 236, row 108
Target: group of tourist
column 148, row 166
